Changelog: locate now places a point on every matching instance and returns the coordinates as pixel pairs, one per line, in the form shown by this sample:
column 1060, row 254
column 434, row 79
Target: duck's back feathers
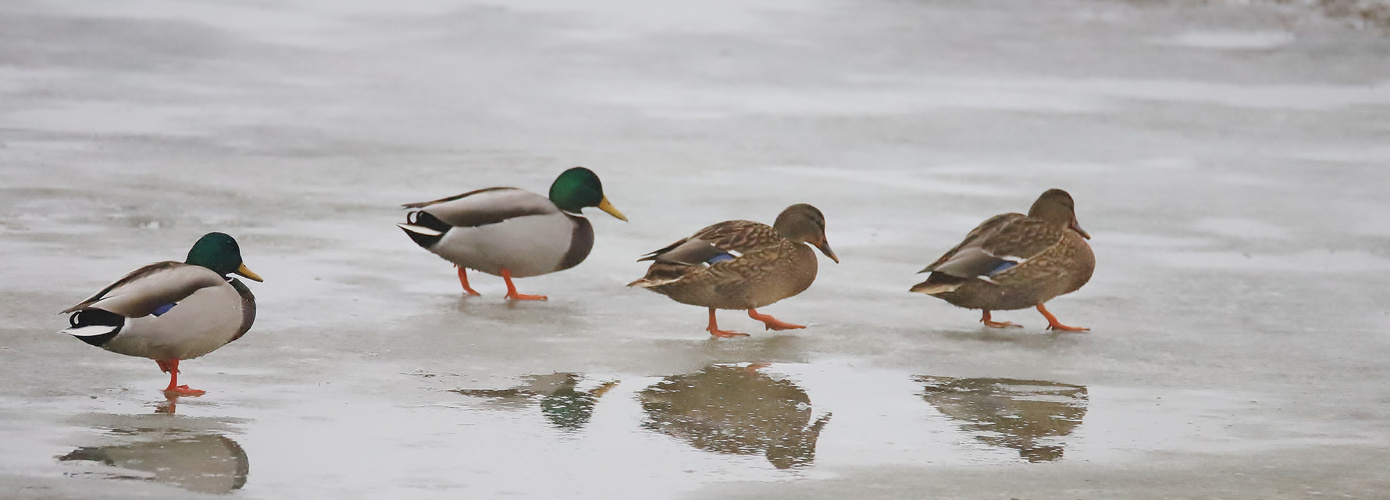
column 716, row 243
column 151, row 289
column 997, row 246
column 486, row 206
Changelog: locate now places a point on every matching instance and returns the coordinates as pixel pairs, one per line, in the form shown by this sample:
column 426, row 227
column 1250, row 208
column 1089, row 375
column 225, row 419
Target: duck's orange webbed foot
column 714, row 330
column 171, row 366
column 724, row 334
column 522, row 296
column 1053, row 324
column 463, row 280
column 772, row 323
column 183, row 390
column 512, row 294
column 997, row 324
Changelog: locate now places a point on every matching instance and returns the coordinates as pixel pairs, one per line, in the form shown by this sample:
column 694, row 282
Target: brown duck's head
column 1057, row 207
column 804, row 223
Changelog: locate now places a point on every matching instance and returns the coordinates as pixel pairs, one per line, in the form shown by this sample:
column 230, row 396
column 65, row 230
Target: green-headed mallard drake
column 511, row 232
column 172, row 311
column 741, row 264
column 1016, row 261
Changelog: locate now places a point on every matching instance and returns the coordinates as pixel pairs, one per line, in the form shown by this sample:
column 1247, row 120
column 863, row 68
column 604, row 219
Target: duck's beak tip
column 245, row 271
column 608, row 207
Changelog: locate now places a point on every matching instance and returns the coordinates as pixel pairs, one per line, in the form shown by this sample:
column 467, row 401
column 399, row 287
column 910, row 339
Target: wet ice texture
column 1228, row 158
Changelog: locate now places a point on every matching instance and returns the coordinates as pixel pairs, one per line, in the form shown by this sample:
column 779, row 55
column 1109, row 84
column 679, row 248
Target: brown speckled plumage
column 770, row 269
column 740, row 264
column 1015, row 261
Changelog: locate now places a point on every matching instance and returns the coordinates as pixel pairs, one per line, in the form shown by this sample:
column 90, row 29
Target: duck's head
column 579, row 187
column 220, row 253
column 803, row 223
column 1056, row 206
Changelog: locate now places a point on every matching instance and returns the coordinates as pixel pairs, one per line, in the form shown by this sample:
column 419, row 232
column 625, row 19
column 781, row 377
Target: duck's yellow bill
column 608, row 207
column 245, row 271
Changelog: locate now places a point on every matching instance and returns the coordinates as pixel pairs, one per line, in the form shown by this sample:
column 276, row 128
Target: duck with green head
column 511, row 232
column 1016, row 261
column 171, row 311
column 741, row 264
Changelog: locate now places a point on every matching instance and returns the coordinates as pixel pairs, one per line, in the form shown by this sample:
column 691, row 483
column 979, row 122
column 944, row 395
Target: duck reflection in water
column 203, row 463
column 1027, row 415
column 736, row 410
column 561, row 401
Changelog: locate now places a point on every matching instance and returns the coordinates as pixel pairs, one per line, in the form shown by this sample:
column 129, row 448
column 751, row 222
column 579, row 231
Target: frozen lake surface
column 1230, row 161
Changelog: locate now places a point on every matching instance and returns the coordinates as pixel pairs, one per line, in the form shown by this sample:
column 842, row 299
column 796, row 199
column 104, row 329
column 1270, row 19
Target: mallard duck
column 172, row 311
column 511, row 232
column 1016, row 261
column 741, row 264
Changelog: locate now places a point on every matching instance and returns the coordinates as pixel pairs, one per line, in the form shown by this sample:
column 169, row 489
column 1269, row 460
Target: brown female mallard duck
column 1016, row 261
column 741, row 264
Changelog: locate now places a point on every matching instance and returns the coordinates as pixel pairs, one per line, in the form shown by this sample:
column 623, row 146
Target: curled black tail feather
column 95, row 318
column 423, row 219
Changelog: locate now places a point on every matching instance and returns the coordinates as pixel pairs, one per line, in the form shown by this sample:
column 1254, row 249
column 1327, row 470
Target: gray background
column 1228, row 158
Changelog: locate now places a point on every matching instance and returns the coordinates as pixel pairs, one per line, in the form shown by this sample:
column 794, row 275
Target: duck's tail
column 662, row 273
column 94, row 326
column 423, row 228
column 936, row 284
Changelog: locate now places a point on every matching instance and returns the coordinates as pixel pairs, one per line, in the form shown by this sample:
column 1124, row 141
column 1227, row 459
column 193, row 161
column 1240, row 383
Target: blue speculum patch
column 1003, row 266
column 159, row 311
column 719, row 258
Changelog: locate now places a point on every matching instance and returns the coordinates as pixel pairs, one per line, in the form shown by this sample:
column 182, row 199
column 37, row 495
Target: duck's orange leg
column 1053, row 324
column 715, row 331
column 171, row 366
column 997, row 324
column 463, row 280
column 511, row 289
column 772, row 323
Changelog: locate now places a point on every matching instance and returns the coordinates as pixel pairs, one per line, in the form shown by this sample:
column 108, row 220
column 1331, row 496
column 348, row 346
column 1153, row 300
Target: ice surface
column 1229, row 159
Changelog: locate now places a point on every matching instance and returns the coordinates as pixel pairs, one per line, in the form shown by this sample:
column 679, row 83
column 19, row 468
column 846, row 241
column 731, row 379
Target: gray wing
column 486, row 206
column 129, row 277
column 146, row 289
